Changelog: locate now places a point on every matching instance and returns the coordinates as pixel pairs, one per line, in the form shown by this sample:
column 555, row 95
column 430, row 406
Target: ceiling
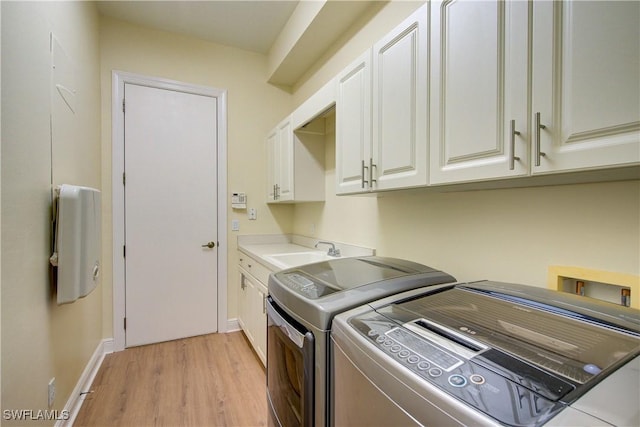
column 263, row 26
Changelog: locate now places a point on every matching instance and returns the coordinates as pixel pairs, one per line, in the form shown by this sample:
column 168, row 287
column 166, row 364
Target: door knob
column 209, row 245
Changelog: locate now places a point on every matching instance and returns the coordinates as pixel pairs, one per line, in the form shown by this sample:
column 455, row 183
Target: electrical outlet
column 51, row 391
column 253, row 214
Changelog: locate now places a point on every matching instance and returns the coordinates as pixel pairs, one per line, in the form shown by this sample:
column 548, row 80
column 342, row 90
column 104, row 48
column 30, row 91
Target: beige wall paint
column 40, row 339
column 254, row 107
column 509, row 235
column 516, row 234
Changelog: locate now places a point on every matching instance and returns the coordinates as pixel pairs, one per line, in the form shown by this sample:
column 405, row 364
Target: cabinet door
column 353, row 126
column 399, row 130
column 479, row 86
column 260, row 325
column 285, row 185
column 244, row 314
column 586, row 63
column 272, row 165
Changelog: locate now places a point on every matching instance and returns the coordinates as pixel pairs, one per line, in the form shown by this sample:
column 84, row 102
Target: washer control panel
column 305, row 285
column 469, row 380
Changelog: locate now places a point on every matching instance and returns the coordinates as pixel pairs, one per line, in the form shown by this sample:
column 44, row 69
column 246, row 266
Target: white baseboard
column 233, row 325
column 84, row 383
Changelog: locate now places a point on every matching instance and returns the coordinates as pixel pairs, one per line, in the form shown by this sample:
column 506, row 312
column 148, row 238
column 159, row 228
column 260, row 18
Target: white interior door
column 170, row 213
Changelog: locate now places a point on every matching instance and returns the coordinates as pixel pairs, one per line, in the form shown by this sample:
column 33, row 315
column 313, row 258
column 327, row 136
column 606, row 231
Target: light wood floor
column 211, row 380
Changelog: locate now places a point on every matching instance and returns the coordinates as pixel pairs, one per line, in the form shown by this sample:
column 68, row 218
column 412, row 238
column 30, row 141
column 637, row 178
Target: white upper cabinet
column 586, row 85
column 522, row 89
column 478, row 114
column 399, row 101
column 381, row 113
column 353, row 126
column 285, row 183
column 273, row 160
column 295, row 162
column 296, row 151
column 280, row 162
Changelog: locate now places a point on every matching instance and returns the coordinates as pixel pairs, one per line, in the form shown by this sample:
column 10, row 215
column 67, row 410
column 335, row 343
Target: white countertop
column 260, row 247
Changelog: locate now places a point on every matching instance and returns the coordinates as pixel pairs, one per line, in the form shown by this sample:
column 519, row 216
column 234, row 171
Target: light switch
column 235, row 225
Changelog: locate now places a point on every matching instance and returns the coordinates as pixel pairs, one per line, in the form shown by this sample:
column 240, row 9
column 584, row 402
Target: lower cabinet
column 252, row 310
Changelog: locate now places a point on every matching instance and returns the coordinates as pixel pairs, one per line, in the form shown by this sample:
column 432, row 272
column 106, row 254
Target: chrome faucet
column 332, row 250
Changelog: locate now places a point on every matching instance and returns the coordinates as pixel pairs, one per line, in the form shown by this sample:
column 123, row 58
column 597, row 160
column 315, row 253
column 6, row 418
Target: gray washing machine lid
column 314, row 293
column 516, row 353
column 552, row 331
column 320, row 279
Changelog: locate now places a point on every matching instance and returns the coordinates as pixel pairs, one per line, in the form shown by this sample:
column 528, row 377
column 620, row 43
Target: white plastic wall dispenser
column 77, row 242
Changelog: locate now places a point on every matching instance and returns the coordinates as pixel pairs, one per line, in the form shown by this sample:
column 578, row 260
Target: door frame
column 119, row 79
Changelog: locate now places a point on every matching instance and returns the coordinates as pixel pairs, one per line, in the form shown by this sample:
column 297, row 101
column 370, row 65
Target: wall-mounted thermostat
column 238, row 200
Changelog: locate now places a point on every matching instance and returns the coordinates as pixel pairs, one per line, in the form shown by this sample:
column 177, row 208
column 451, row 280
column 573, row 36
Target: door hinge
column 123, row 105
column 124, row 178
column 125, row 323
column 124, row 251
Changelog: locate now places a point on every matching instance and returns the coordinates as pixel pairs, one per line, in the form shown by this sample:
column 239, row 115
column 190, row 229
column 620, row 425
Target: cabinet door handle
column 371, row 166
column 364, row 175
column 512, row 157
column 277, row 191
column 264, row 304
column 538, row 153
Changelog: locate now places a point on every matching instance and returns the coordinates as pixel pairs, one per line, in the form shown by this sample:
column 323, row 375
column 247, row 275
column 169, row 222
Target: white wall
column 40, row 339
column 253, row 108
column 510, row 235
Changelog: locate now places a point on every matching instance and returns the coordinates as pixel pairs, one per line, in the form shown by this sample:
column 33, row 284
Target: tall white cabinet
column 522, row 88
column 381, row 112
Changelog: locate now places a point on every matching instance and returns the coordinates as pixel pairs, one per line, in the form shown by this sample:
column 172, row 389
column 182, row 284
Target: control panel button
column 387, row 343
column 413, row 359
column 396, row 348
column 372, row 332
column 435, row 372
column 423, row 366
column 477, row 379
column 457, row 380
column 380, row 339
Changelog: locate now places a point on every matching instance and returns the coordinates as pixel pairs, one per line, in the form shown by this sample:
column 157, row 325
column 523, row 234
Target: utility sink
column 295, row 259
